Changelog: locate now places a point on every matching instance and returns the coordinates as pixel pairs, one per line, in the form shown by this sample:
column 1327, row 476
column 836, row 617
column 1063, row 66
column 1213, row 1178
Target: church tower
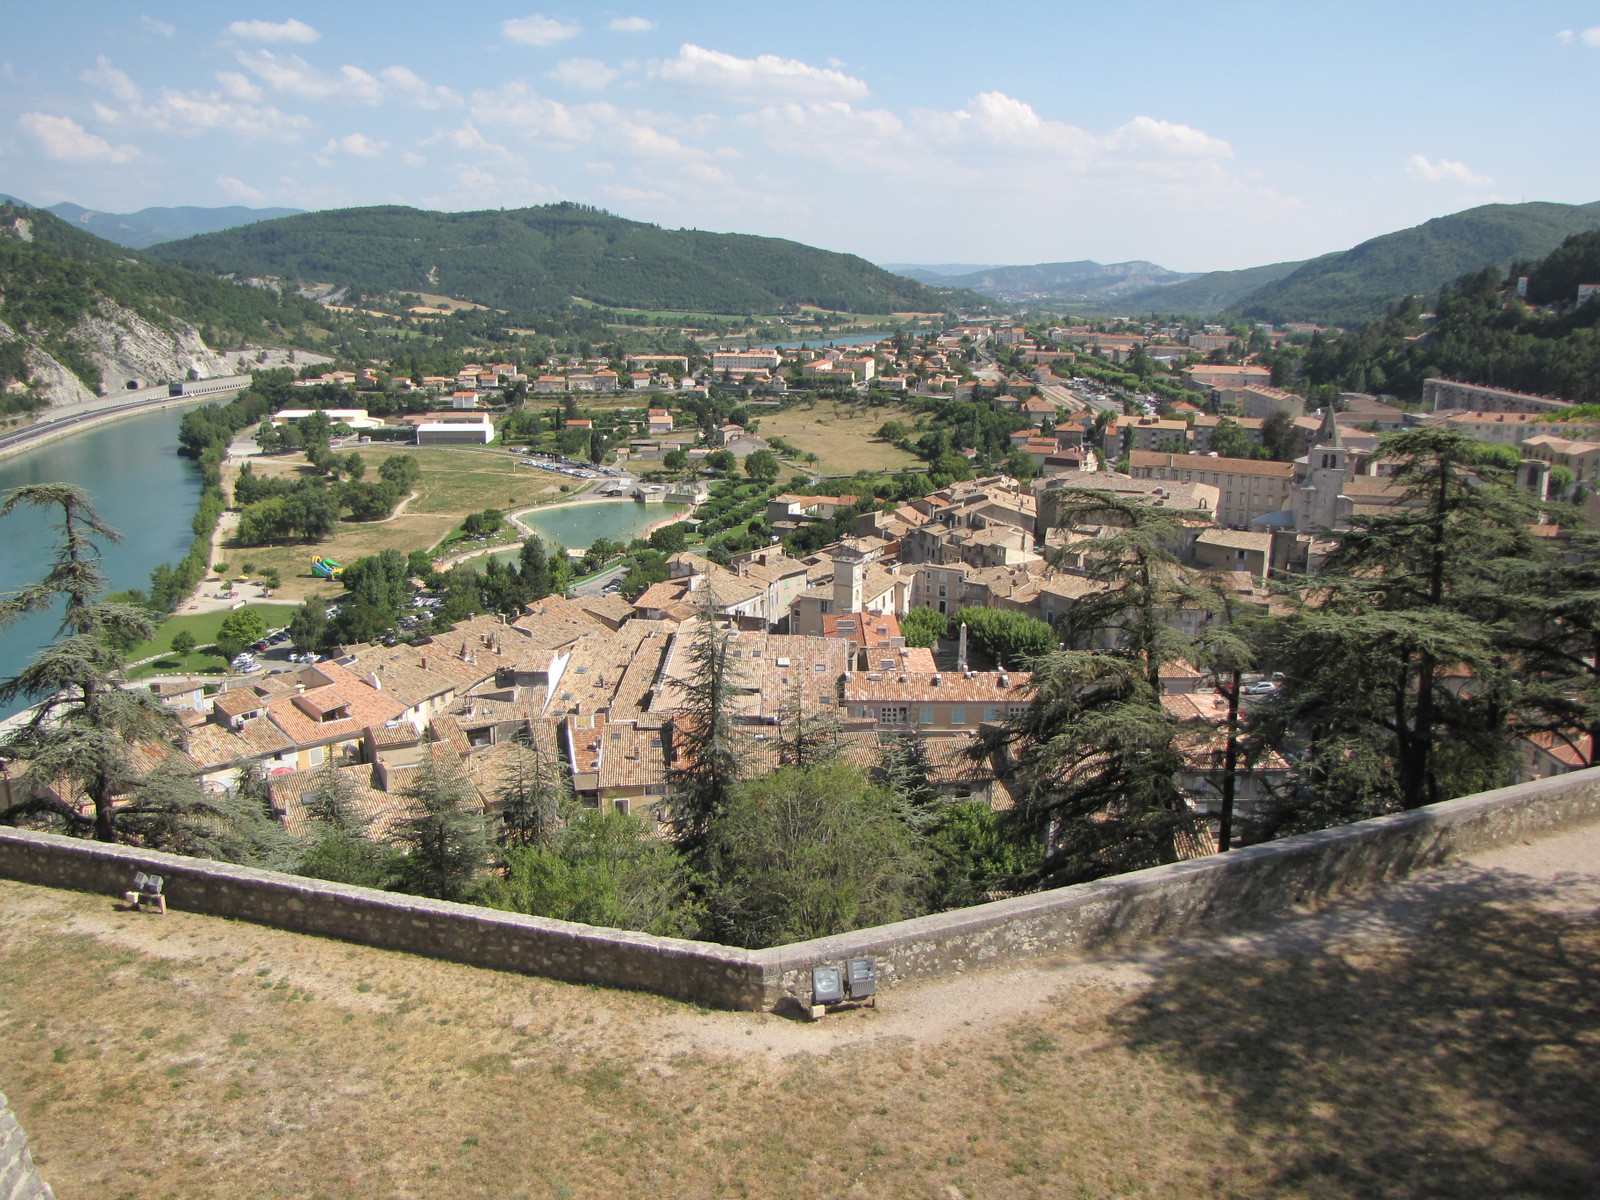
column 849, row 576
column 1320, row 484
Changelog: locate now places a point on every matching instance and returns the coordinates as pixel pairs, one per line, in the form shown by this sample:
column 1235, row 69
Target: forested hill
column 1483, row 334
column 1357, row 285
column 537, row 257
column 74, row 306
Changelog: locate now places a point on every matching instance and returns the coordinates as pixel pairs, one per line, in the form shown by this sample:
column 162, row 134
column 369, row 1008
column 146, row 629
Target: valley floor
column 1437, row 1037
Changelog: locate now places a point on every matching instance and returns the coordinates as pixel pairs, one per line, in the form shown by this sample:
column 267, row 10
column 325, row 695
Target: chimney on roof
column 374, row 681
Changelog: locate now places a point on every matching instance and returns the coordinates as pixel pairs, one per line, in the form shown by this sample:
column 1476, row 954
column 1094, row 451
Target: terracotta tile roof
column 363, row 705
column 919, row 687
column 235, row 702
column 1204, row 462
column 633, row 757
column 379, row 808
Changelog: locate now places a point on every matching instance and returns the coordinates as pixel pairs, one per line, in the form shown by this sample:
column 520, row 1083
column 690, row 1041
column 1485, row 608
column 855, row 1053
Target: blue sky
column 1197, row 135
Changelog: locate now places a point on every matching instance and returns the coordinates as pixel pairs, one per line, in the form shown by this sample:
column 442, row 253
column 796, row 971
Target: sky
column 1197, row 135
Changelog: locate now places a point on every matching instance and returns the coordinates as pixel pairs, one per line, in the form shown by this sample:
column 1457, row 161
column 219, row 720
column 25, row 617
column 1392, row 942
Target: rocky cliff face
column 118, row 343
column 126, row 348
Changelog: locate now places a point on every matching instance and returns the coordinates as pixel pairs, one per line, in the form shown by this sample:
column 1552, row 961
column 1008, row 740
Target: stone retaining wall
column 1205, row 893
column 18, row 1179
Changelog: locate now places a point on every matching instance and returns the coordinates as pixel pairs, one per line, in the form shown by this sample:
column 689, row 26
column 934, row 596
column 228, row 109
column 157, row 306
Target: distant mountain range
column 148, row 226
column 547, row 256
column 1344, row 288
column 934, row 272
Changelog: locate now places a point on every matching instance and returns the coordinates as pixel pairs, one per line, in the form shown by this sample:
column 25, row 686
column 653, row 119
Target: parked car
column 1265, row 688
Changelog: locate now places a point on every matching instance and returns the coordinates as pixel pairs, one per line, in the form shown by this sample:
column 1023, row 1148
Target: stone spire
column 1328, row 435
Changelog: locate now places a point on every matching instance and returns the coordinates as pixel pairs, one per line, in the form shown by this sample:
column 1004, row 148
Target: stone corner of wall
column 19, row 1180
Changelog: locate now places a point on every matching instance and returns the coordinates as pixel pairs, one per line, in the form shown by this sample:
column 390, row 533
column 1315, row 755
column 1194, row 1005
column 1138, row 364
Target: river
column 139, row 486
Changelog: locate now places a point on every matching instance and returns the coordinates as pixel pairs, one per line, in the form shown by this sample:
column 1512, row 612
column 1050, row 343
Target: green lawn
column 204, row 626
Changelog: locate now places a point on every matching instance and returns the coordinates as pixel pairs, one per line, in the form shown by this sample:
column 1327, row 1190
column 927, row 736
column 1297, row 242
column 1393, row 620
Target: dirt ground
column 1437, row 1037
column 844, row 438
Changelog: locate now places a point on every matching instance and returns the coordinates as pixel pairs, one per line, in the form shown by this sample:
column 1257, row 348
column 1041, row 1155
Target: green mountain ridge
column 1350, row 287
column 539, row 257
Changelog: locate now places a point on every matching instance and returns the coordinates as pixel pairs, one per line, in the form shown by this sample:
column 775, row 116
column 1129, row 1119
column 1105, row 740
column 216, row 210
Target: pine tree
column 903, row 770
column 1093, row 762
column 1411, row 605
column 705, row 739
column 1143, row 586
column 85, row 722
column 533, row 790
column 443, row 838
column 1094, row 758
column 808, row 733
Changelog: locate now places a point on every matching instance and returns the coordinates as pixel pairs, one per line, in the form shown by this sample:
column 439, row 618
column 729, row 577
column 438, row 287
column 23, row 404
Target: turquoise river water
column 139, row 486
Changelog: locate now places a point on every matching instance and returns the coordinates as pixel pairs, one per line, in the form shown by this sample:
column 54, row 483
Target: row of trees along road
column 1436, row 633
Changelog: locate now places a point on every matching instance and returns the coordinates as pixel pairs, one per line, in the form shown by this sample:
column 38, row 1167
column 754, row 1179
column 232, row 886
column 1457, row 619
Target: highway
column 117, row 405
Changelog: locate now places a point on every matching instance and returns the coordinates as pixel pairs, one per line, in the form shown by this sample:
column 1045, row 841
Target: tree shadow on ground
column 1443, row 1042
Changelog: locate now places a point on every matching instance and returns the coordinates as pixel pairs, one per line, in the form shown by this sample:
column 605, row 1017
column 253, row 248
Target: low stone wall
column 18, row 1179
column 1219, row 891
column 722, row 976
column 1215, row 892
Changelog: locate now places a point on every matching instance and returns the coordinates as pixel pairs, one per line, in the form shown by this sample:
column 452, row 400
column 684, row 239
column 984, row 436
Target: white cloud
column 1444, row 171
column 238, row 85
column 160, row 28
column 630, row 25
column 764, row 78
column 238, row 189
column 518, row 107
column 1589, row 37
column 539, row 30
column 412, row 159
column 291, row 74
column 588, row 73
column 467, row 137
column 189, row 114
column 64, row 140
column 357, row 144
column 114, row 81
column 412, row 89
column 265, row 31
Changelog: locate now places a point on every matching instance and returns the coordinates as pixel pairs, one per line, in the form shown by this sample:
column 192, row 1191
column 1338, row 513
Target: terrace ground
column 844, row 437
column 455, row 481
column 1437, row 1037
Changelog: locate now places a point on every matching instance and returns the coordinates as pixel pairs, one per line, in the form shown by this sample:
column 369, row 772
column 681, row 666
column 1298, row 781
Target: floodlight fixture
column 863, row 978
column 827, row 986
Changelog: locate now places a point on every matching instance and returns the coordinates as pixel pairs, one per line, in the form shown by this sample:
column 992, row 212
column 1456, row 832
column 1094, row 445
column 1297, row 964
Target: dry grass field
column 1440, row 1038
column 844, row 438
column 454, row 482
